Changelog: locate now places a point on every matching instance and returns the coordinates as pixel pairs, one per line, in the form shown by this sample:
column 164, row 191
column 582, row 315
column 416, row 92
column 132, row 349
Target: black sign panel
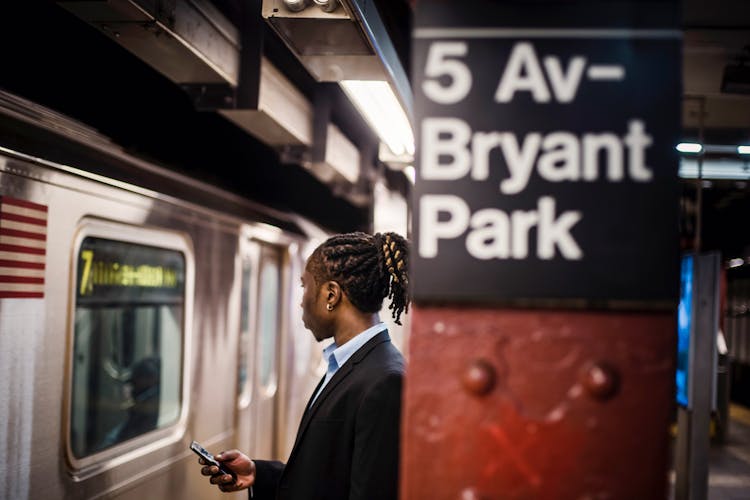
column 546, row 168
column 116, row 272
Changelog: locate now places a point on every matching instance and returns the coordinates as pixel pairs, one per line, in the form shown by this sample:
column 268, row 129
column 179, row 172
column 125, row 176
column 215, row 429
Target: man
column 347, row 445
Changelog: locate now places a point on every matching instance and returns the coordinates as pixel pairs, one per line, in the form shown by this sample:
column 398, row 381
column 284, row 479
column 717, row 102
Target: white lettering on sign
column 451, row 150
column 495, row 234
column 524, row 73
column 439, row 64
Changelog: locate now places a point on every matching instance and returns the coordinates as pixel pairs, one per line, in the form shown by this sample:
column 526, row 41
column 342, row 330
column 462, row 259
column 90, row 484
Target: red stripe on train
column 22, row 203
column 23, row 218
column 4, row 247
column 21, row 264
column 21, row 279
column 23, row 234
column 21, row 295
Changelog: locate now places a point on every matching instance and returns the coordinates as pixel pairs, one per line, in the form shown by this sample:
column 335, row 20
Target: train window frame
column 131, row 449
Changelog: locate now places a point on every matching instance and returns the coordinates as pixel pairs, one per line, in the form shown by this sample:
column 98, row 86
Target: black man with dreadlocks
column 347, row 445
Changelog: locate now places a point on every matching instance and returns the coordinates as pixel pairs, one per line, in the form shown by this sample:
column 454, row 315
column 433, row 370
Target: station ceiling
column 717, row 35
column 58, row 61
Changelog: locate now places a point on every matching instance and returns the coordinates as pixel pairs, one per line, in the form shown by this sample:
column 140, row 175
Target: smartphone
column 209, row 459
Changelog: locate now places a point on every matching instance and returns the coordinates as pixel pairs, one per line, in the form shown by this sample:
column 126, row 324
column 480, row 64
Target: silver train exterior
column 100, row 275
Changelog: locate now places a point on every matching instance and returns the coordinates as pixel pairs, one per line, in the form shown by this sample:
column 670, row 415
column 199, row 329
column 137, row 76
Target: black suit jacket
column 347, row 445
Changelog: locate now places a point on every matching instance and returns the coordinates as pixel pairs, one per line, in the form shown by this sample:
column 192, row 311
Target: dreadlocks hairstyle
column 368, row 268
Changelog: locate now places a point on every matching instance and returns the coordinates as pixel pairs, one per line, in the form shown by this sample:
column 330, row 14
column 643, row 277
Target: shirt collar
column 343, row 353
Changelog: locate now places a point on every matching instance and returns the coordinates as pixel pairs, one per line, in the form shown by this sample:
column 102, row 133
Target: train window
column 268, row 322
column 128, row 338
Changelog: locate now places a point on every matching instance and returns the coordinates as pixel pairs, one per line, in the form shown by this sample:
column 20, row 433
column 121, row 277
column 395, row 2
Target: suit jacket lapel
column 309, row 401
column 340, row 375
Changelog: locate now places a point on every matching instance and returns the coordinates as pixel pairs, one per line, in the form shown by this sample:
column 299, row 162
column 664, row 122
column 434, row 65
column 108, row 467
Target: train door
column 258, row 367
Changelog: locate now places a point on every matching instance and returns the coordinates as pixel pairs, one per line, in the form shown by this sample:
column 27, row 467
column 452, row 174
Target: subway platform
column 729, row 463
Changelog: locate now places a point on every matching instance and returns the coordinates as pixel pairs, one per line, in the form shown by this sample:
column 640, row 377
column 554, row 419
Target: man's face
column 314, row 308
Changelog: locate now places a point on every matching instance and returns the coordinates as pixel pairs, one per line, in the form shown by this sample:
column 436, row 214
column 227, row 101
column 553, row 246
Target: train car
column 140, row 309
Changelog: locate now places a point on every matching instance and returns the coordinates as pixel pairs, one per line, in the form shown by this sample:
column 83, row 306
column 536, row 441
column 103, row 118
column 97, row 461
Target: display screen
column 684, row 319
column 120, row 272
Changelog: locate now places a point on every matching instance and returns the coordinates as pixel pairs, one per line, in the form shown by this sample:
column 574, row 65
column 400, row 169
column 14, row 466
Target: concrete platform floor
column 729, row 464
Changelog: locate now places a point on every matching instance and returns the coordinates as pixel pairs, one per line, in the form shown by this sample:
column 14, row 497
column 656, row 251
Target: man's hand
column 237, row 462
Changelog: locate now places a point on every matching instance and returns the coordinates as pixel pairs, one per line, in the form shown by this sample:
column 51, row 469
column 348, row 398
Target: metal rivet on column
column 478, row 377
column 600, row 380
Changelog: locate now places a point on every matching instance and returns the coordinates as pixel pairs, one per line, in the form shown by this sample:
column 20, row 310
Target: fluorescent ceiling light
column 380, row 107
column 743, row 150
column 736, row 262
column 689, row 147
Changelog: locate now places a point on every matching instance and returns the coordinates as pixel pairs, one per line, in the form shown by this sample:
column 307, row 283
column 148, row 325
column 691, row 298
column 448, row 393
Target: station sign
column 546, row 162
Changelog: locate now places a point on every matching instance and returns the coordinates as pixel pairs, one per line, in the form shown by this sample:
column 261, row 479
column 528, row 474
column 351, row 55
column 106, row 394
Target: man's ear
column 333, row 293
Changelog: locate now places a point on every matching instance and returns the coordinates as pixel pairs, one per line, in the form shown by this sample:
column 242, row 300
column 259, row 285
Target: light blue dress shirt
column 337, row 356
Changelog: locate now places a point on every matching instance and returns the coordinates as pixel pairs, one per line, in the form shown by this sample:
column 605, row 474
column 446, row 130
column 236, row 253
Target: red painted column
column 509, row 403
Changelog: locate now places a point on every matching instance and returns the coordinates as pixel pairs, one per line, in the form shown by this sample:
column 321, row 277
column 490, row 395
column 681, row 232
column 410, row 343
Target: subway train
column 139, row 310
